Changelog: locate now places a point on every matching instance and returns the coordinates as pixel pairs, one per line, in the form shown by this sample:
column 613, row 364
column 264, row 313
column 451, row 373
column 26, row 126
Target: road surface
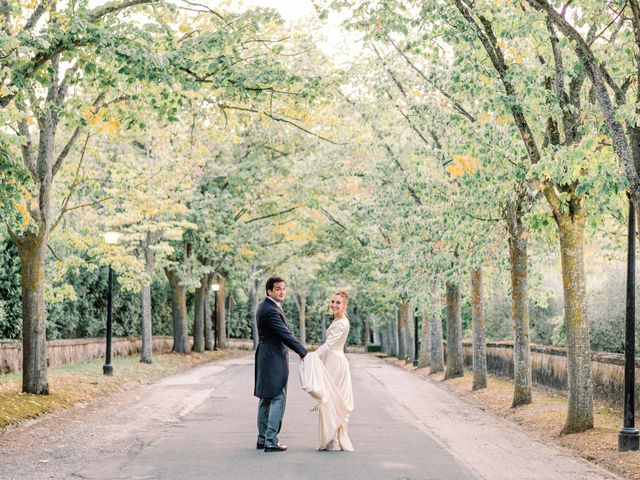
column 200, row 424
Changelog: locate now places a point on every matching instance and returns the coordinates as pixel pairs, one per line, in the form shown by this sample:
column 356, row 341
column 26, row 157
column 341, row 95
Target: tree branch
column 73, row 185
column 115, row 7
column 484, row 32
column 28, row 156
column 456, row 105
column 72, row 140
column 273, row 214
column 279, row 119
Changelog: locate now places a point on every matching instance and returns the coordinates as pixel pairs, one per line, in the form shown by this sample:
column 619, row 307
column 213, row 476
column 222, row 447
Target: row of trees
column 171, row 123
column 463, row 140
column 510, row 120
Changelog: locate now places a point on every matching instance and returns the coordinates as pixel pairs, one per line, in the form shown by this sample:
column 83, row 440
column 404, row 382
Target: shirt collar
column 277, row 303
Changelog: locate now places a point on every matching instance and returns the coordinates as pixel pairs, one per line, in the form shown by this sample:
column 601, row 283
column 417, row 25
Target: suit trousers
column 270, row 413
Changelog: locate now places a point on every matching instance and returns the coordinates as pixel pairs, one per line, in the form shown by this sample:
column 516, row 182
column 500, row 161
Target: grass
column 84, row 382
column 546, row 416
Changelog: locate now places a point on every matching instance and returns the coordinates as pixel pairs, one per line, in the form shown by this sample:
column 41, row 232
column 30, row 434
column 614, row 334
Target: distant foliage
column 607, row 303
column 541, row 319
column 86, row 315
column 10, row 306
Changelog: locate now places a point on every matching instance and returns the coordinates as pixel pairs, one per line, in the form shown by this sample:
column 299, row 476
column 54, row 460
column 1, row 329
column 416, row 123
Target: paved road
column 201, row 425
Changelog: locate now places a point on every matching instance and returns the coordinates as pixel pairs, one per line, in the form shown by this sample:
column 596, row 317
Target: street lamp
column 107, row 369
column 416, row 340
column 215, row 287
column 628, row 435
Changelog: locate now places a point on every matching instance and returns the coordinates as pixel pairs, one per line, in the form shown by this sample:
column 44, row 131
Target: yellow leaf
column 455, row 170
column 463, row 164
column 111, row 127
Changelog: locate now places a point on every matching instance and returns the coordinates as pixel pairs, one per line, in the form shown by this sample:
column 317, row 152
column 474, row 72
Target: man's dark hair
column 272, row 282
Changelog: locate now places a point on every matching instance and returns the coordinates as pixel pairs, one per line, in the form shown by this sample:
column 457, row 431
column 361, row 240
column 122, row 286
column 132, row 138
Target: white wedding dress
column 325, row 375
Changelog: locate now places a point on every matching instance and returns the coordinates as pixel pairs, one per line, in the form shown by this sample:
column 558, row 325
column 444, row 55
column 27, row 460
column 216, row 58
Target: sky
column 337, row 43
column 290, row 10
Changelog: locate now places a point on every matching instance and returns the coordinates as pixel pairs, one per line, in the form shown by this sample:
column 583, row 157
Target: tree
column 36, row 86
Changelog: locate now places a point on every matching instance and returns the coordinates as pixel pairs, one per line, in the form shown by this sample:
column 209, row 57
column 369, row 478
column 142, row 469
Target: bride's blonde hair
column 344, row 295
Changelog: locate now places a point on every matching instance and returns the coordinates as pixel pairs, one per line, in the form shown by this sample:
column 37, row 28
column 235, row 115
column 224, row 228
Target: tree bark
column 32, row 250
column 179, row 310
column 392, row 327
column 479, row 338
column 198, row 316
column 385, row 346
column 302, row 316
column 436, row 358
column 255, row 286
column 518, row 258
column 221, row 330
column 404, row 338
column 455, row 364
column 146, row 349
column 580, row 413
column 208, row 324
column 423, row 358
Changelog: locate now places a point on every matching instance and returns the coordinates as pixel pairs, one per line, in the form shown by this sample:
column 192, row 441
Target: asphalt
column 200, row 424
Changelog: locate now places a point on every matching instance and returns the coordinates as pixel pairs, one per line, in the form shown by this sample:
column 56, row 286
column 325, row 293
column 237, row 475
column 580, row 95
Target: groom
column 272, row 364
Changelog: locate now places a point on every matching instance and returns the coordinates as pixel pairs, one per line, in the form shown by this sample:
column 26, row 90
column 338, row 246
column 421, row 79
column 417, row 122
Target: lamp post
column 110, row 238
column 628, row 435
column 214, row 288
column 416, row 341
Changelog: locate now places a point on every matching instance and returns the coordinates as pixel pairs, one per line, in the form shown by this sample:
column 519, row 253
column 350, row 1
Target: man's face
column 278, row 292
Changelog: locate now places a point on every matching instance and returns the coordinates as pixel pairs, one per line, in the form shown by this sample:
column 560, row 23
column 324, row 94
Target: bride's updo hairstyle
column 344, row 295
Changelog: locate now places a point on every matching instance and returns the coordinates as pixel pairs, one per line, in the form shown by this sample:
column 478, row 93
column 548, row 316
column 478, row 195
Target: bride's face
column 337, row 305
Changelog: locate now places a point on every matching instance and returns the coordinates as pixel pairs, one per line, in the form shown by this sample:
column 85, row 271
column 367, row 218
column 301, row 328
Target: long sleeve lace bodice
column 336, row 337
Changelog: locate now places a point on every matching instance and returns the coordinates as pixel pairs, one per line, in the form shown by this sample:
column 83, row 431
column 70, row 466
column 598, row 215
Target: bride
column 326, row 377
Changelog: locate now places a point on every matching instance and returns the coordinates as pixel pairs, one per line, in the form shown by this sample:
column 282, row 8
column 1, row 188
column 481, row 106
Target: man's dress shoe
column 260, row 445
column 275, row 448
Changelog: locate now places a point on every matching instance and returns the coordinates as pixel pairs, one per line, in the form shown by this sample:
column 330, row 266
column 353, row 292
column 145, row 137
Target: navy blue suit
column 272, row 354
column 272, row 369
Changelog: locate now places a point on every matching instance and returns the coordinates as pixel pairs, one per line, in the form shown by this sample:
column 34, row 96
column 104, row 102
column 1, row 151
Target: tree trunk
column 146, row 350
column 385, row 346
column 455, row 364
column 518, row 258
column 208, row 330
column 198, row 316
column 393, row 334
column 367, row 332
column 423, row 358
column 479, row 338
column 302, row 316
column 580, row 414
column 179, row 310
column 404, row 339
column 255, row 285
column 32, row 250
column 376, row 331
column 221, row 335
column 435, row 330
column 32, row 244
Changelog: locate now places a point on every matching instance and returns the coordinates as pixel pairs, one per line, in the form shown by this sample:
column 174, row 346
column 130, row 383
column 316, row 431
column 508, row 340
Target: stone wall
column 63, row 352
column 549, row 369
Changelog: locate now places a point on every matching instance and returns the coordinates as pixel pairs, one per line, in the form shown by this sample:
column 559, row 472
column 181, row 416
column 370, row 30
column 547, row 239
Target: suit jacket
column 272, row 355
